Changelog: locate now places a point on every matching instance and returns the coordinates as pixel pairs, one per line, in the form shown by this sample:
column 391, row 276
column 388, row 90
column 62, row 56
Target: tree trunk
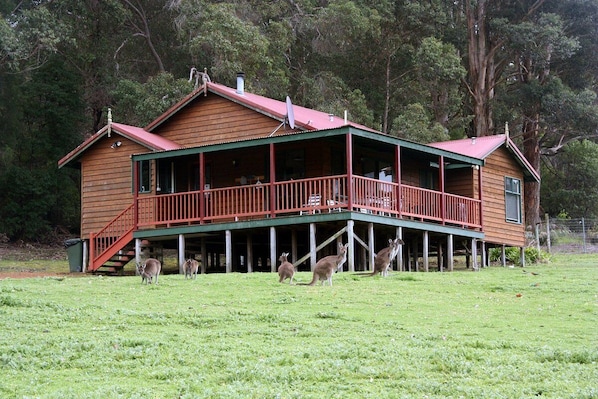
column 531, row 151
column 481, row 68
column 387, row 96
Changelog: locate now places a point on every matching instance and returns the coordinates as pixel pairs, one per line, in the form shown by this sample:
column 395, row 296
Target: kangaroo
column 384, row 258
column 149, row 269
column 190, row 268
column 326, row 266
column 286, row 269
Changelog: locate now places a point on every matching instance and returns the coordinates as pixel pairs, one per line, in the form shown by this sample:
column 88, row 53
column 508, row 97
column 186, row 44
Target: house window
column 513, row 199
column 144, row 177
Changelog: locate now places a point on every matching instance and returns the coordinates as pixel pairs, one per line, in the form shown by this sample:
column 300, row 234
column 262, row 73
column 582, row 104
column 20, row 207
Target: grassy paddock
column 497, row 333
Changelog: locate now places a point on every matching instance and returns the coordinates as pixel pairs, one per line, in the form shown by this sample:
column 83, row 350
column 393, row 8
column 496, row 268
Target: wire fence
column 565, row 235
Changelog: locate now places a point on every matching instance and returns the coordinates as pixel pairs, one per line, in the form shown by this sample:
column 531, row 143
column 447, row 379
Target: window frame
column 512, row 194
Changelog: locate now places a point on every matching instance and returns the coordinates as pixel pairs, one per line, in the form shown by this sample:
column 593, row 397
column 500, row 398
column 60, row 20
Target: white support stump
column 400, row 256
column 371, row 247
column 312, row 246
column 228, row 251
column 450, row 255
column 426, row 250
column 137, row 253
column 273, row 256
column 351, row 247
column 181, row 253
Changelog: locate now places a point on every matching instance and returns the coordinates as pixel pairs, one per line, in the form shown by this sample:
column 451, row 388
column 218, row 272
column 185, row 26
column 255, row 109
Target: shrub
column 532, row 255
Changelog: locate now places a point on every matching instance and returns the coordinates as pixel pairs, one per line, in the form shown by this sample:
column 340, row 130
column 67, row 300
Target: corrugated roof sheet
column 482, row 147
column 151, row 141
column 478, row 147
column 305, row 118
column 145, row 138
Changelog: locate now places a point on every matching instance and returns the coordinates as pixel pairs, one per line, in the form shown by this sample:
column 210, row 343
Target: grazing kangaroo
column 384, row 258
column 286, row 269
column 190, row 268
column 326, row 266
column 149, row 269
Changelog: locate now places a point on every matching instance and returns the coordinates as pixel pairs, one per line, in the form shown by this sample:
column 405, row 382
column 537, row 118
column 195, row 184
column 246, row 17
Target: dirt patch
column 23, row 251
column 23, row 254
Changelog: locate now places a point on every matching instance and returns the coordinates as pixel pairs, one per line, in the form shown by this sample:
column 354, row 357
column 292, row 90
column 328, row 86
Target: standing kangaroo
column 190, row 268
column 149, row 269
column 385, row 256
column 286, row 269
column 326, row 266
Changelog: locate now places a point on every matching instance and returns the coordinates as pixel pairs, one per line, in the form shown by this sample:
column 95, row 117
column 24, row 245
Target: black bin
column 74, row 251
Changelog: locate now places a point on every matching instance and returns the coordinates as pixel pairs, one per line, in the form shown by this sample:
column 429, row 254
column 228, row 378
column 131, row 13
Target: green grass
column 497, row 333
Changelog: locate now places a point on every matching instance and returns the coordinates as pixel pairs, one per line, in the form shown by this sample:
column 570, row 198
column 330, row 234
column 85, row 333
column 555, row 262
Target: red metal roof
column 145, row 138
column 482, row 147
column 139, row 135
column 479, row 147
column 305, row 119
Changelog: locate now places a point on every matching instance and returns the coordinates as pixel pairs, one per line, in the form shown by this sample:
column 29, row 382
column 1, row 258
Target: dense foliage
column 426, row 71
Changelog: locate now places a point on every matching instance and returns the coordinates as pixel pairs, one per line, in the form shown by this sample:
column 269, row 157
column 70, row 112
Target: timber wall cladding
column 106, row 182
column 216, row 120
column 460, row 182
column 410, row 171
column 497, row 230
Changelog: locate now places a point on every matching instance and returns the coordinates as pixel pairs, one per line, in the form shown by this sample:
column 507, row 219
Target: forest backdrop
column 424, row 70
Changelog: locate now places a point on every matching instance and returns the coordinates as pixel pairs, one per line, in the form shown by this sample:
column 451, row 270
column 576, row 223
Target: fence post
column 583, row 228
column 547, row 231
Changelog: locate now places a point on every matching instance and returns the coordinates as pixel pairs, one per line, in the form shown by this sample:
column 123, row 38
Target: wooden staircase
column 113, row 246
column 117, row 262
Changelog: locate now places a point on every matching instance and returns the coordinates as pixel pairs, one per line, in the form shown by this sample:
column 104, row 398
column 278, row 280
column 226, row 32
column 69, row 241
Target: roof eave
column 531, row 172
column 76, row 153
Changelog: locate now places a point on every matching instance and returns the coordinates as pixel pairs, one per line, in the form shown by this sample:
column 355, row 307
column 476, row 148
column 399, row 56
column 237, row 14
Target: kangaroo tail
column 366, row 274
column 313, row 281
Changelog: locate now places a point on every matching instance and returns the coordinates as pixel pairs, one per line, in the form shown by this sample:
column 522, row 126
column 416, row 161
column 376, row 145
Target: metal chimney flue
column 240, row 83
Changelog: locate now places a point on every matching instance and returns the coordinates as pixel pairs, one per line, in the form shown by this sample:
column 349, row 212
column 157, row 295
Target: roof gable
column 151, row 141
column 305, row 119
column 483, row 147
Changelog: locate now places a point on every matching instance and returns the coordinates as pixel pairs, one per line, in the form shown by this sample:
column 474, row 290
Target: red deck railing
column 304, row 196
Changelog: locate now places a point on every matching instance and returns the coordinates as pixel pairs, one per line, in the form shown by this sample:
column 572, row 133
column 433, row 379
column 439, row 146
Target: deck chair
column 385, row 203
column 333, row 206
column 313, row 201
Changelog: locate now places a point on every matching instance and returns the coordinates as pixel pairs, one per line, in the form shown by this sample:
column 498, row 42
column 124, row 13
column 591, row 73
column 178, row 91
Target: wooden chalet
column 234, row 179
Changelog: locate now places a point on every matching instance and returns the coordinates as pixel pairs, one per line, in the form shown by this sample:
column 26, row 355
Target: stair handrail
column 122, row 224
